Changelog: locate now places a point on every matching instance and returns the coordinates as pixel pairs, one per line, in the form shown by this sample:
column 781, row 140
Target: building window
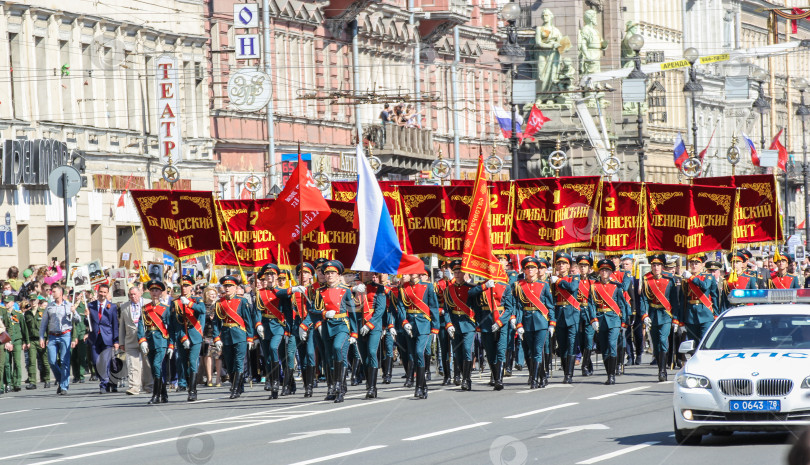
column 655, row 56
column 16, row 76
column 67, row 88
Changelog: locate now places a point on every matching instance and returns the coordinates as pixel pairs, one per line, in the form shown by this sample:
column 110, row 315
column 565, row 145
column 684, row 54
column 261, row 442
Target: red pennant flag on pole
column 477, row 257
column 783, row 155
column 299, row 208
column 535, row 122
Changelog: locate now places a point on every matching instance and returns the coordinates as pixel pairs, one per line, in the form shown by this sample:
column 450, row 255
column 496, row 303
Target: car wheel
column 685, row 437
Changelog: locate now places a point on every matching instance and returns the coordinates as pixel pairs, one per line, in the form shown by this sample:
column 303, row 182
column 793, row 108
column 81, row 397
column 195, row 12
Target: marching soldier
column 609, row 312
column 403, row 339
column 543, row 275
column 493, row 303
column 462, row 323
column 372, row 299
column 738, row 278
column 585, row 264
column 233, row 331
column 284, row 282
column 274, row 314
column 14, row 320
column 567, row 312
column 357, row 368
column 700, row 299
column 657, row 299
column 332, row 304
column 782, row 279
column 626, row 280
column 419, row 312
column 390, row 334
column 37, row 356
column 444, row 338
column 186, row 329
column 301, row 305
column 513, row 353
column 154, row 339
column 535, row 318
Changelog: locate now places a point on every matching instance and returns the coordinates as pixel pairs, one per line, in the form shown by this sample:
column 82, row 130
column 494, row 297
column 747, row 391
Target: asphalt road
column 583, row 423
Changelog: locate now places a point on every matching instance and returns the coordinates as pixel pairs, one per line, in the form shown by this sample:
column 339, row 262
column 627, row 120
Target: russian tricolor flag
column 505, row 120
column 752, row 148
column 378, row 249
column 680, row 151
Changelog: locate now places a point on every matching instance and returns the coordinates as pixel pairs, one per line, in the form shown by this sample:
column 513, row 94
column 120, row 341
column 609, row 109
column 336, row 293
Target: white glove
column 647, row 321
column 352, row 340
column 320, row 329
column 554, row 278
column 675, row 327
column 448, row 275
column 681, row 329
column 329, row 314
column 393, row 332
column 260, row 331
column 495, row 328
column 302, row 334
column 185, row 300
column 409, row 329
column 169, row 353
column 433, row 338
column 451, row 331
column 186, row 344
column 144, row 348
column 595, row 326
column 218, row 345
column 687, row 275
column 360, row 288
column 490, row 284
column 513, row 323
column 298, row 289
column 364, row 330
column 551, row 331
column 256, row 343
column 520, row 332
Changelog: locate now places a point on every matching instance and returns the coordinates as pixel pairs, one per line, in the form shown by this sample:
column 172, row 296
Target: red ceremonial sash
column 410, row 293
column 782, row 282
column 299, row 304
column 155, row 318
column 654, row 285
column 188, row 312
column 601, row 289
column 567, row 295
column 493, row 297
column 268, row 300
column 695, row 290
column 458, row 303
column 368, row 302
column 231, row 309
column 584, row 290
column 526, row 287
column 742, row 283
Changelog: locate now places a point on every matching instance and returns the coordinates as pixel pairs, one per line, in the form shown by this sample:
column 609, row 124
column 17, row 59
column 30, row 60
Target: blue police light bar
column 769, row 296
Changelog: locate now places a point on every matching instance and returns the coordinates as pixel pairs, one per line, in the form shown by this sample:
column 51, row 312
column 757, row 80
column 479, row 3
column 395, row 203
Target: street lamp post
column 803, row 112
column 636, row 42
column 694, row 89
column 761, row 104
column 511, row 53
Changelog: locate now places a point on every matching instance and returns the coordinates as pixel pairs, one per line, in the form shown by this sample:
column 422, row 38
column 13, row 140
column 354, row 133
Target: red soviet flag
column 477, row 257
column 299, row 204
column 535, row 122
column 783, row 155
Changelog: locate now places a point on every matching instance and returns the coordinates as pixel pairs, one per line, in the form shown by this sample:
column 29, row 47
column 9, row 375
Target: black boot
column 457, row 369
column 571, row 363
column 419, row 391
column 355, row 376
column 662, row 366
column 564, row 361
column 586, row 358
column 330, row 384
column 507, row 368
column 497, row 370
column 447, row 381
column 540, row 374
column 428, row 363
column 387, row 365
column 308, row 374
column 274, row 380
column 192, row 387
column 371, row 383
column 268, row 379
column 532, row 375
column 620, row 353
column 466, row 381
column 155, row 392
column 235, row 378
column 409, row 373
column 546, row 369
column 292, row 385
column 164, row 396
column 340, row 373
column 609, row 367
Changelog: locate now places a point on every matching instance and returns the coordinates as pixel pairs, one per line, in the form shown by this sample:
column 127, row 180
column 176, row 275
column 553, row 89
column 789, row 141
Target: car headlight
column 694, row 381
column 806, row 383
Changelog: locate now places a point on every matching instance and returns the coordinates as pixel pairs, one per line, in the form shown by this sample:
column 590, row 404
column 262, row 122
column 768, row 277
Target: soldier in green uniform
column 585, row 265
column 658, row 299
column 37, row 356
column 153, row 338
column 14, row 320
column 567, row 311
column 234, row 330
column 186, row 330
column 78, row 356
column 700, row 299
column 608, row 312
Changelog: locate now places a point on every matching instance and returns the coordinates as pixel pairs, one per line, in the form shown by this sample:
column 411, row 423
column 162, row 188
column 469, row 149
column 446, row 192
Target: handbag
column 4, row 337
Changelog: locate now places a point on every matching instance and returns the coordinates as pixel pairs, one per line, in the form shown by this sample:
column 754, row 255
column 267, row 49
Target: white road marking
column 550, row 386
column 605, row 396
column 34, row 427
column 181, row 427
column 666, row 382
column 534, row 412
column 208, row 400
column 617, row 453
column 446, row 431
column 572, row 429
column 16, row 411
column 312, row 434
column 339, row 455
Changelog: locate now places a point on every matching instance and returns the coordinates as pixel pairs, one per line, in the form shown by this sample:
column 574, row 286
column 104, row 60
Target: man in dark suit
column 103, row 316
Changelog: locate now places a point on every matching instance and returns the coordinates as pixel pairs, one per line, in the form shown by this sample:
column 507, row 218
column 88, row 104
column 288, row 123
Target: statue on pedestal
column 590, row 45
column 550, row 44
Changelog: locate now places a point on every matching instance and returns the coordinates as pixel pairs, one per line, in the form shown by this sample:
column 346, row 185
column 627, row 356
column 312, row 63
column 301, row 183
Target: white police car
column 751, row 371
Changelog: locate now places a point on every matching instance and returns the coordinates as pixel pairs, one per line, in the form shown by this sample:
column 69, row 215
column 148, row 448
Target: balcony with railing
column 401, row 149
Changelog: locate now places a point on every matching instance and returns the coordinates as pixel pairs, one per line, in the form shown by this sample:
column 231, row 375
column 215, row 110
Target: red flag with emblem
column 783, row 155
column 299, row 203
column 535, row 122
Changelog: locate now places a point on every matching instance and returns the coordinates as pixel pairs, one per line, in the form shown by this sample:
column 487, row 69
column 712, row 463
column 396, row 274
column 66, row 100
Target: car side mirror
column 686, row 347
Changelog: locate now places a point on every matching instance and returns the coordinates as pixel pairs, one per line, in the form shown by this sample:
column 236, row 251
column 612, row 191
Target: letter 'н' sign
column 246, row 15
column 168, row 109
